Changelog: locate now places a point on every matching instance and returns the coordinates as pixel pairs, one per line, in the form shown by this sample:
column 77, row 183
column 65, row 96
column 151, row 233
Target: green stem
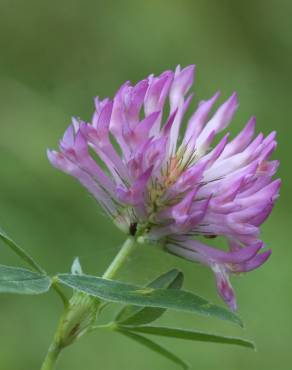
column 54, row 349
column 69, row 317
column 51, row 358
column 60, row 293
column 127, row 248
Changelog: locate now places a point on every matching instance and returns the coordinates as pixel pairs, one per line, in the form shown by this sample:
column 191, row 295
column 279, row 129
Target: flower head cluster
column 155, row 181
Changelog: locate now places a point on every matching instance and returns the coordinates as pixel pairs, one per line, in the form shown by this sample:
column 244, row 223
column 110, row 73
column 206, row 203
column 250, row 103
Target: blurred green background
column 55, row 57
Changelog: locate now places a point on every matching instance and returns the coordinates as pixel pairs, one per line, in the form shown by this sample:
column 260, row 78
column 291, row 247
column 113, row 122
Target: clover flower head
column 166, row 184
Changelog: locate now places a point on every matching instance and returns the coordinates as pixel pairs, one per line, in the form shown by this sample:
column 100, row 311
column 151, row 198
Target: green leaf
column 155, row 347
column 172, row 279
column 134, row 315
column 22, row 281
column 191, row 335
column 117, row 291
column 20, row 252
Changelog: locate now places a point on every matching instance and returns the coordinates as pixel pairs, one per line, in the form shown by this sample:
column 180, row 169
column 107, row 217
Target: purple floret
column 173, row 184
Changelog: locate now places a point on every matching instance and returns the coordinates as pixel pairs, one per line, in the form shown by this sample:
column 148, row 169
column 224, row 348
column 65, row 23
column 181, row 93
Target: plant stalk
column 68, row 319
column 54, row 349
column 127, row 249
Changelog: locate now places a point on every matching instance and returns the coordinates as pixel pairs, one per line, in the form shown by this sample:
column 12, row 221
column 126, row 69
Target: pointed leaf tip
column 116, row 291
column 76, row 268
